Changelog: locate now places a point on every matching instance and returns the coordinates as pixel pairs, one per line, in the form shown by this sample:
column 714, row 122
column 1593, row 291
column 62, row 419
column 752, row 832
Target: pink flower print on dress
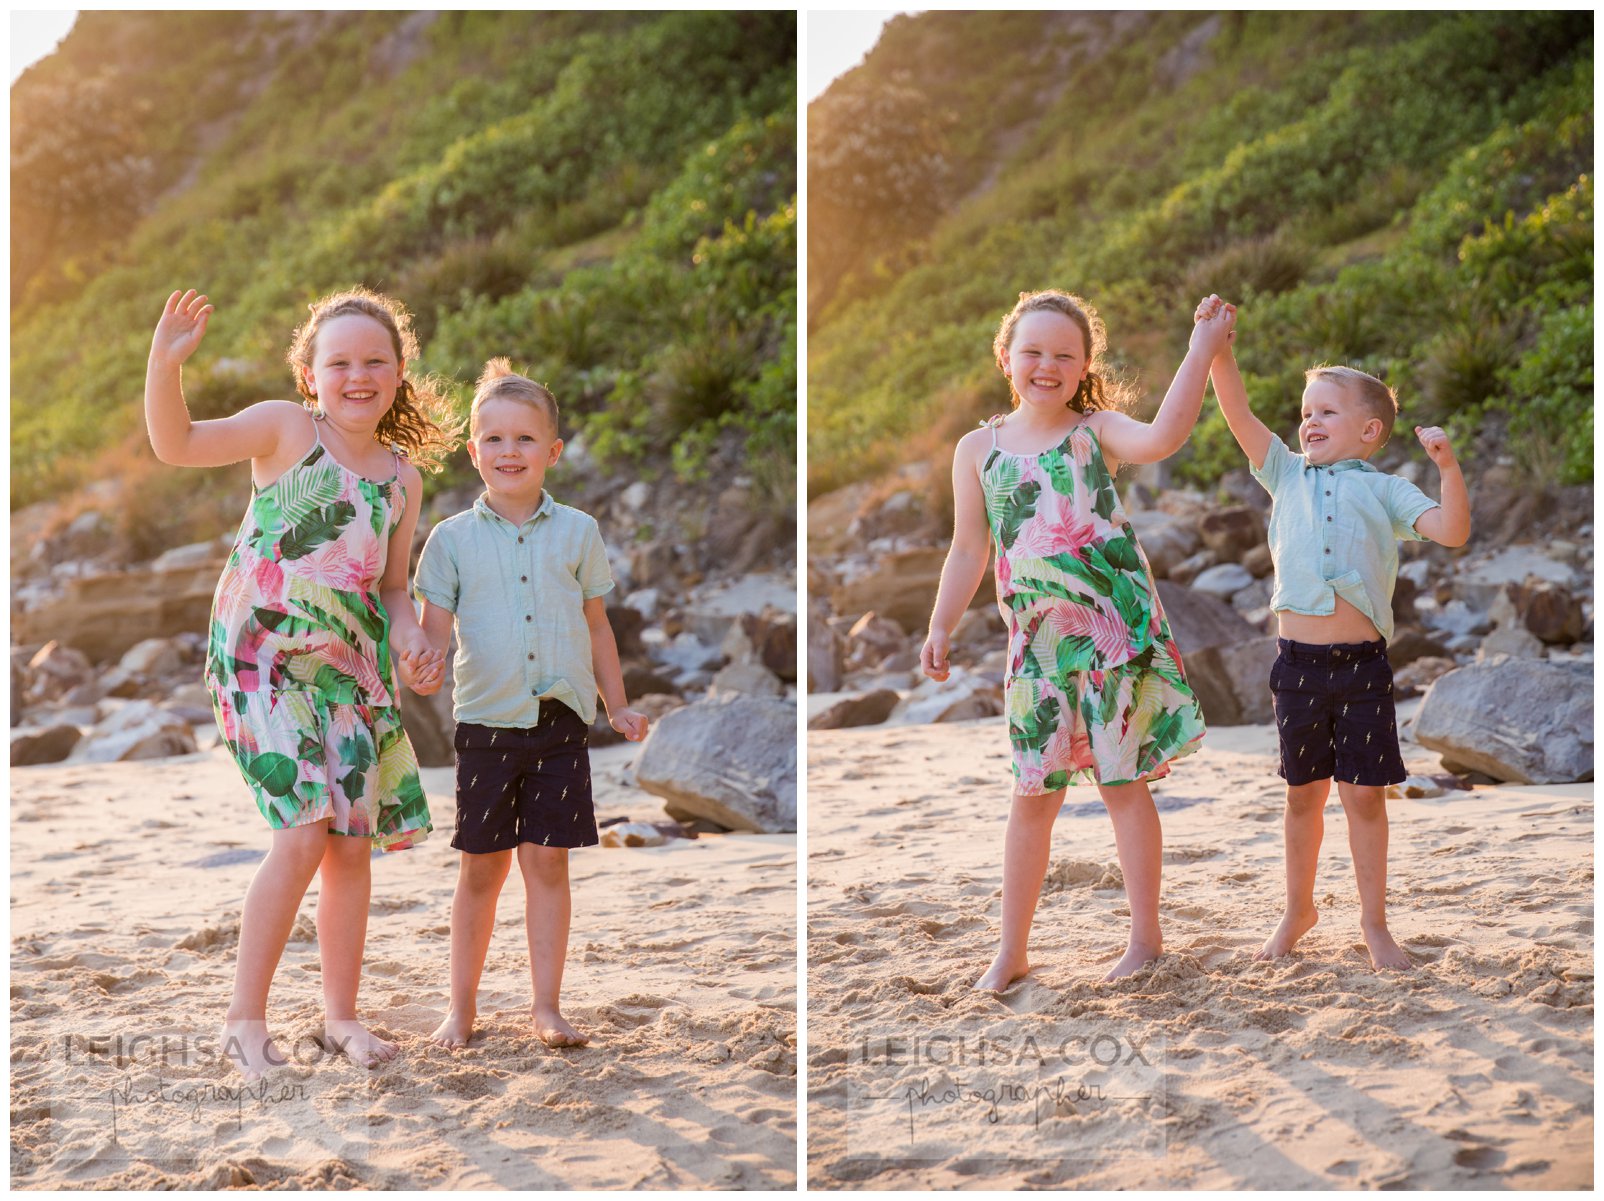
column 330, row 565
column 268, row 578
column 1031, row 776
column 1056, row 529
column 1106, row 629
column 1080, row 444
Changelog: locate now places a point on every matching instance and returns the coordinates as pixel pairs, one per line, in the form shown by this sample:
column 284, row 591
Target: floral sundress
column 1095, row 690
column 298, row 657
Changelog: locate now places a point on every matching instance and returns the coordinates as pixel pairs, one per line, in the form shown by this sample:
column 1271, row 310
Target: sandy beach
column 1206, row 1070
column 126, row 887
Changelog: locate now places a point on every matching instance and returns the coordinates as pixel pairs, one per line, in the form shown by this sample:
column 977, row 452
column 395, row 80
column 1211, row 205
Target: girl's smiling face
column 355, row 370
column 1336, row 425
column 513, row 445
column 1046, row 360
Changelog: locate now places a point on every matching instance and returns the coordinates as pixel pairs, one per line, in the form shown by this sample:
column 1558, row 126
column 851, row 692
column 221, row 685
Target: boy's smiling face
column 1336, row 424
column 513, row 445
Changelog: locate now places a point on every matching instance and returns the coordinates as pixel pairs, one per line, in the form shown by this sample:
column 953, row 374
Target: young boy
column 1334, row 525
column 523, row 577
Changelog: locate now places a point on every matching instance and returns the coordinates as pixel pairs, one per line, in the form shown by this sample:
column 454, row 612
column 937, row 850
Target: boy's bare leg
column 1139, row 841
column 271, row 903
column 547, row 909
column 1366, row 807
column 342, row 931
column 473, row 919
column 1027, row 847
column 1305, row 826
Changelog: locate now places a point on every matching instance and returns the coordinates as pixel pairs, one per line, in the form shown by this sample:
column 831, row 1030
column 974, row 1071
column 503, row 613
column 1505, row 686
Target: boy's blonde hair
column 420, row 422
column 498, row 381
column 1380, row 401
column 1099, row 390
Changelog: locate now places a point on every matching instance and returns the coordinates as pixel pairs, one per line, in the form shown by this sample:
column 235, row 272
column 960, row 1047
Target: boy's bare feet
column 1001, row 976
column 1137, row 956
column 357, row 1043
column 247, row 1045
column 554, row 1029
column 1294, row 925
column 1384, row 952
column 455, row 1031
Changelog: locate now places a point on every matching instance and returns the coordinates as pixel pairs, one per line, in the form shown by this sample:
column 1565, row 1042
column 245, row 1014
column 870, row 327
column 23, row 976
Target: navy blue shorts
column 531, row 785
column 1334, row 713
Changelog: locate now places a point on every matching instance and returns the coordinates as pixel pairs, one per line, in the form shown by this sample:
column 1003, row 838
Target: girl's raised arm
column 253, row 433
column 966, row 561
column 1127, row 440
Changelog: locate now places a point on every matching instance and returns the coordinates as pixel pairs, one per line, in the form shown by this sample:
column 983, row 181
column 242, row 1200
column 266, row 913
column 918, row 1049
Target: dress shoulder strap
column 992, row 423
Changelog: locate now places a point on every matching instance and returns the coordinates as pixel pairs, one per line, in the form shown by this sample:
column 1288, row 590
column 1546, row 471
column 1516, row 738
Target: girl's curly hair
column 1100, row 389
column 422, row 423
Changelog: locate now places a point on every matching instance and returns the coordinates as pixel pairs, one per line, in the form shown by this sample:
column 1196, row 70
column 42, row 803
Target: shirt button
column 530, row 617
column 523, row 579
column 534, row 692
column 1328, row 550
column 520, row 542
column 1328, row 518
column 1328, row 491
column 531, row 658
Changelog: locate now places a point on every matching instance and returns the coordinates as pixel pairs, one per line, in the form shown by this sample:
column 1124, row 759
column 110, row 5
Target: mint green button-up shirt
column 1334, row 532
column 518, row 593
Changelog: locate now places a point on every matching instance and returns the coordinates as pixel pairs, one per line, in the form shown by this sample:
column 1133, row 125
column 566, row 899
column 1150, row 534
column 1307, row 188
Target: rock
column 1512, row 641
column 731, row 760
column 1259, row 561
column 1188, row 569
column 1519, row 720
column 1548, row 610
column 747, row 679
column 1479, row 583
column 1458, row 618
column 1198, row 620
column 138, row 730
column 105, row 614
column 1224, row 580
column 656, row 704
column 195, row 554
column 768, row 638
column 1232, row 682
column 977, row 629
column 963, row 696
column 1419, row 674
column 1231, row 533
column 117, row 682
column 644, row 601
column 50, row 745
column 56, row 669
column 864, row 709
column 712, row 609
column 429, row 724
column 1408, row 644
column 153, row 657
column 688, row 653
column 872, row 639
column 655, row 564
column 826, row 654
column 636, row 495
column 1254, row 597
column 1417, row 787
column 627, row 625
column 632, row 834
column 1165, row 538
column 902, row 586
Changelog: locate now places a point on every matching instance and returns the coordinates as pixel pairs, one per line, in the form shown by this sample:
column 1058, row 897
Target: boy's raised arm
column 1251, row 434
column 1449, row 522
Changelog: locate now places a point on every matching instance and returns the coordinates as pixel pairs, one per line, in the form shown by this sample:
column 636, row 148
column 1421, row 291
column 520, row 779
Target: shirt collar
column 482, row 507
column 1340, row 465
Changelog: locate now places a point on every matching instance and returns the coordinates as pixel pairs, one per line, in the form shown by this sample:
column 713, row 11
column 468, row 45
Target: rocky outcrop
column 729, row 760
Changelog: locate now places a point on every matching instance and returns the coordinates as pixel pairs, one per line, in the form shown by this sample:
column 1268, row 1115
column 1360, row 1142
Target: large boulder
column 962, row 696
column 1231, row 533
column 902, row 586
column 862, row 709
column 137, row 730
column 105, row 615
column 1232, row 682
column 825, row 652
column 730, row 760
column 51, row 745
column 1166, row 539
column 1198, row 620
column 1523, row 720
column 1548, row 610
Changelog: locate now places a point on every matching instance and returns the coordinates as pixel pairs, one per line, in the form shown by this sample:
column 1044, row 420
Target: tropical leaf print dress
column 1095, row 690
column 298, row 659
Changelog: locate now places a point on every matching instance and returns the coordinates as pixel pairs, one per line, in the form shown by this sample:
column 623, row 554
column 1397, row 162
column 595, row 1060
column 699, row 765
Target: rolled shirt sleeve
column 1406, row 504
column 595, row 575
column 437, row 579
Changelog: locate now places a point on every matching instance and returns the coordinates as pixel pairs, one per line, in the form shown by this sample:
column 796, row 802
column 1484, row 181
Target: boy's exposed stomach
column 1344, row 624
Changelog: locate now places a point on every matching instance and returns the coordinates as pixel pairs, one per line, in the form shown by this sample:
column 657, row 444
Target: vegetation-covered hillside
column 607, row 198
column 1410, row 193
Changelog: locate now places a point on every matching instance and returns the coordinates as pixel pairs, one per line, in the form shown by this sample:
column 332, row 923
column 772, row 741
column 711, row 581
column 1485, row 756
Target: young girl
column 1095, row 691
column 299, row 659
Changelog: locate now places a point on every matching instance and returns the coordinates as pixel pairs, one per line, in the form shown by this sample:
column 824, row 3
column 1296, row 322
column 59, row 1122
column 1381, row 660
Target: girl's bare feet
column 247, row 1045
column 554, row 1029
column 1294, row 925
column 1384, row 952
column 1002, row 975
column 357, row 1043
column 1137, row 956
column 455, row 1031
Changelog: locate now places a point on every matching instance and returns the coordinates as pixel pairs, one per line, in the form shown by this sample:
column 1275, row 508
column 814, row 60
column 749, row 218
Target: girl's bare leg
column 1027, row 847
column 1366, row 807
column 1139, row 842
column 548, row 907
column 271, row 903
column 473, row 919
column 342, row 931
column 1305, row 827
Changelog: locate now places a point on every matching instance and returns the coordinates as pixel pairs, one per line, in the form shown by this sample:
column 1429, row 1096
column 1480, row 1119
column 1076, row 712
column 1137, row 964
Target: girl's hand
column 182, row 326
column 933, row 658
column 422, row 671
column 631, row 723
column 1437, row 447
column 1214, row 324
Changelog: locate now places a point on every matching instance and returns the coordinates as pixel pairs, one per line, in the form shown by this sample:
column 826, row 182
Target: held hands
column 934, row 657
column 631, row 723
column 1214, row 325
column 182, row 326
column 423, row 670
column 1437, row 448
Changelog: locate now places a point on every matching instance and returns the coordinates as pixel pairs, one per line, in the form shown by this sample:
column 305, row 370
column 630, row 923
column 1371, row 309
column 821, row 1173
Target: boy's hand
column 631, row 723
column 182, row 326
column 422, row 671
column 1437, row 448
column 933, row 657
column 1211, row 306
column 1215, row 323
